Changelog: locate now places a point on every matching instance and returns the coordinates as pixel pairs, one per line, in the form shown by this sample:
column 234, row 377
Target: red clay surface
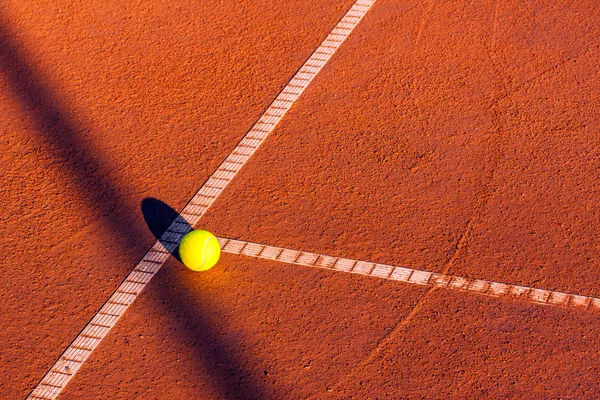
column 442, row 136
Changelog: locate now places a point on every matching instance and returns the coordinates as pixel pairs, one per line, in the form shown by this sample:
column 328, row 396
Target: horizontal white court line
column 84, row 344
column 409, row 275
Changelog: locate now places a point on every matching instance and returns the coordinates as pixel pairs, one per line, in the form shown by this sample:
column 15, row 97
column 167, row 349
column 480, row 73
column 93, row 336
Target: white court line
column 80, row 349
column 408, row 275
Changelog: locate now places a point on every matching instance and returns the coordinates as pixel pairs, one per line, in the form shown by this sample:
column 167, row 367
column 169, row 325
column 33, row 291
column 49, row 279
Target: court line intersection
column 106, row 318
column 92, row 334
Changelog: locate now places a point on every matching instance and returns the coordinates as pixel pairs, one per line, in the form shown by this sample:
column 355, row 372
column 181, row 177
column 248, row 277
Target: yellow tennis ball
column 199, row 250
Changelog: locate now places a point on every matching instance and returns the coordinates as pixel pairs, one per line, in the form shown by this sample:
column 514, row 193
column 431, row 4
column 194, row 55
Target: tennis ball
column 199, row 250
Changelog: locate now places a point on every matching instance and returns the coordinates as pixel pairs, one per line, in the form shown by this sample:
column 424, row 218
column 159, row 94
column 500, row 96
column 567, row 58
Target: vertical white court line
column 88, row 339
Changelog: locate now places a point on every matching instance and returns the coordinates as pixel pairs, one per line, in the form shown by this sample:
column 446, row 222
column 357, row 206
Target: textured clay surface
column 449, row 136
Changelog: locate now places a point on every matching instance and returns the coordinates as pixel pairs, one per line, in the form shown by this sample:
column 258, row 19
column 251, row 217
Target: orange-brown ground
column 443, row 135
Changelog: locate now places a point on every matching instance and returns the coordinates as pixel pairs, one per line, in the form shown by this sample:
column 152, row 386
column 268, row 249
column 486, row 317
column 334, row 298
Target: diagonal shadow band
column 223, row 361
column 61, row 134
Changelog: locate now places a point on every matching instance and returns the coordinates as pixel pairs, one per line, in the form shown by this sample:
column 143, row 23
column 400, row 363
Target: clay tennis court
column 456, row 138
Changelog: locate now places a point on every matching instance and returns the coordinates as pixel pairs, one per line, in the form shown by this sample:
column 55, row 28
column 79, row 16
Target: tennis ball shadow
column 159, row 216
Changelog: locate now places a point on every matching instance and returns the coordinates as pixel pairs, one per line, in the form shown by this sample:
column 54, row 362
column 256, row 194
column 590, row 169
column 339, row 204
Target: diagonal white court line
column 88, row 339
column 409, row 275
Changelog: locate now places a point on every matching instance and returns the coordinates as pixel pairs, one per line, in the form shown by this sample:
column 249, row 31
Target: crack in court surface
column 93, row 333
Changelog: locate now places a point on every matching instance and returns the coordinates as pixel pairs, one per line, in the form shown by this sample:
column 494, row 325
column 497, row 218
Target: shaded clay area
column 447, row 136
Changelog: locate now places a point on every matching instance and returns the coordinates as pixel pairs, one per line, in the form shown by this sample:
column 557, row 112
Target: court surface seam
column 92, row 334
column 409, row 275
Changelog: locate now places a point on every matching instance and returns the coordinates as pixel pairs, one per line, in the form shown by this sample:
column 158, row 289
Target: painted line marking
column 409, row 275
column 199, row 204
